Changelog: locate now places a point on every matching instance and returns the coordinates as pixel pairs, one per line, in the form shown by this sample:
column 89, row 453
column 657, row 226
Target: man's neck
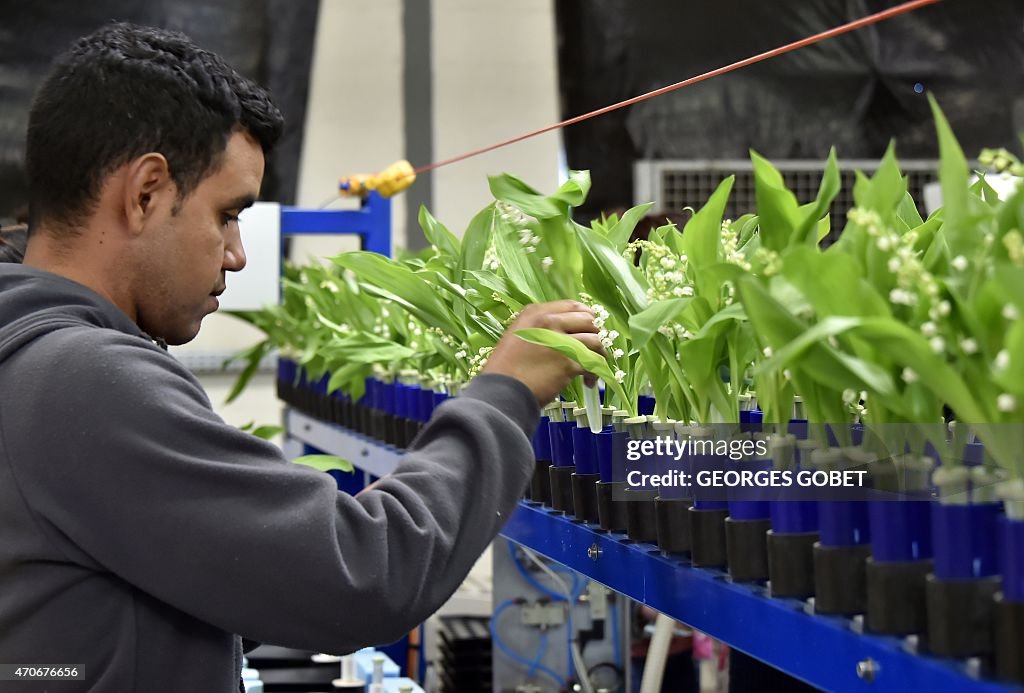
column 77, row 264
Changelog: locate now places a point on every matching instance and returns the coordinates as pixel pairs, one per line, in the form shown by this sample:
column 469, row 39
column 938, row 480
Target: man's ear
column 149, row 190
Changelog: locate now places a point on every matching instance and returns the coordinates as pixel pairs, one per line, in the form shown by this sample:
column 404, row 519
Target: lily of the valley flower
column 1002, row 361
column 902, row 297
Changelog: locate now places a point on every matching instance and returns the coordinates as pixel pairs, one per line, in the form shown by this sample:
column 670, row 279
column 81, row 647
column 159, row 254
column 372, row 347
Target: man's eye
column 228, row 219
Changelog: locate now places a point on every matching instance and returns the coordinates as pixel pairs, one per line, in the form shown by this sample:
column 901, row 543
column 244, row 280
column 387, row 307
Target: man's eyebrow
column 241, row 202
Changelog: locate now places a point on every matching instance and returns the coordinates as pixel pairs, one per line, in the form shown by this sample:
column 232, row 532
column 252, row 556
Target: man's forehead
column 241, row 171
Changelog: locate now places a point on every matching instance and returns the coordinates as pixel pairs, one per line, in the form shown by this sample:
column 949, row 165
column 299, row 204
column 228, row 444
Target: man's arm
column 145, row 481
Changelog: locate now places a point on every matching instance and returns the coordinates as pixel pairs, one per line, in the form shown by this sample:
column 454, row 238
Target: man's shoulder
column 88, row 371
column 71, row 341
column 88, row 355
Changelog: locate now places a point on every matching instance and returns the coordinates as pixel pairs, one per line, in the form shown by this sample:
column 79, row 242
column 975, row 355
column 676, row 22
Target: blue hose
column 577, row 589
column 613, row 614
column 533, row 666
column 542, row 647
column 557, row 596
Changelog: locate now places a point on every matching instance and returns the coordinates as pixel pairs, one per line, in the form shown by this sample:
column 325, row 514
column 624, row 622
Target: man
column 140, row 536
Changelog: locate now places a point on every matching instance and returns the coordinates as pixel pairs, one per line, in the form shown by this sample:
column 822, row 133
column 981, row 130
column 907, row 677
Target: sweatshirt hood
column 34, row 302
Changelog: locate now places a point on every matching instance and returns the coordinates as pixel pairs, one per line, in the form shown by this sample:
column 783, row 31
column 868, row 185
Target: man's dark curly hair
column 122, row 92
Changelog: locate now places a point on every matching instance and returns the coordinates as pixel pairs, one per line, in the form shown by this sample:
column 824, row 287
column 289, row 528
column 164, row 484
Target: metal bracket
column 542, row 614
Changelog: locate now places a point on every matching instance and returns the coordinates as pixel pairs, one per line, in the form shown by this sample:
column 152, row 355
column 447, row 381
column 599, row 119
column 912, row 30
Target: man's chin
column 184, row 335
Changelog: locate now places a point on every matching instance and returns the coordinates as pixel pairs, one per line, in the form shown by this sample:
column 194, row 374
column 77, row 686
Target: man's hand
column 543, row 370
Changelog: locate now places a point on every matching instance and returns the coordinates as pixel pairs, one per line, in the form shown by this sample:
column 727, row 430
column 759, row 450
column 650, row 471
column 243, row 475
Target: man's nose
column 234, row 253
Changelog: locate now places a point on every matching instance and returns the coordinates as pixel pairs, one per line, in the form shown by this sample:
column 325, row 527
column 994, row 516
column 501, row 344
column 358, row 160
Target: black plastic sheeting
column 270, row 41
column 855, row 92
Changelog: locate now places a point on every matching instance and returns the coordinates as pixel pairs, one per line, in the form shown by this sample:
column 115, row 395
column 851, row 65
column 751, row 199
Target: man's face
column 187, row 257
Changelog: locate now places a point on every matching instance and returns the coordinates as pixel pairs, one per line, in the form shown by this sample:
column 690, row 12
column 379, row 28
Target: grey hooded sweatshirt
column 140, row 535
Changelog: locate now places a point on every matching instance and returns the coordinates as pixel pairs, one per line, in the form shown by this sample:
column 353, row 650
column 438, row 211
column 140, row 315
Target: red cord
column 837, row 31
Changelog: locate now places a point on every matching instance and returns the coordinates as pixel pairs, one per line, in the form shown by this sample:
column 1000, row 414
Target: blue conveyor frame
column 825, row 651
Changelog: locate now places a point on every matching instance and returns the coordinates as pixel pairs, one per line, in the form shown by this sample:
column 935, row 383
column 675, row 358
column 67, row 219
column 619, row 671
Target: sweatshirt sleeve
column 129, row 471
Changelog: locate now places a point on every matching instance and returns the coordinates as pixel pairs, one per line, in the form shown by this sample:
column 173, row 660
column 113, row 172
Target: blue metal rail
column 826, row 652
column 371, row 222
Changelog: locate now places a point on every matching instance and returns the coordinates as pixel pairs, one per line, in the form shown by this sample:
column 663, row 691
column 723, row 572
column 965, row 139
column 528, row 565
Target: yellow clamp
column 394, row 179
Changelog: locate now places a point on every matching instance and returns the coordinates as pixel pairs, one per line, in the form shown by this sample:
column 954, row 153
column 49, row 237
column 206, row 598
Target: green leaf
column 1012, row 379
column 574, row 191
column 832, row 283
column 493, row 283
column 620, row 233
column 888, row 187
column 574, row 349
column 437, row 235
column 350, row 344
column 476, row 239
column 349, row 378
column 267, row 432
column 778, row 328
column 809, row 228
column 558, row 241
column 388, row 279
column 516, row 264
column 325, row 463
column 703, row 232
column 824, row 226
column 908, row 212
column 621, row 274
column 646, row 323
column 478, row 320
column 952, row 173
column 777, row 207
column 861, row 189
column 983, row 189
column 363, row 347
column 603, row 290
column 252, row 357
column 732, row 312
column 871, row 375
column 908, row 347
column 509, row 188
column 1010, row 281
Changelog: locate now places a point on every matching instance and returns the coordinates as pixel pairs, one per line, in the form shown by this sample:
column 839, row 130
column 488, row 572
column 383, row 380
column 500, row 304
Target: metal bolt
column 867, row 669
column 593, row 552
column 911, row 644
column 973, row 667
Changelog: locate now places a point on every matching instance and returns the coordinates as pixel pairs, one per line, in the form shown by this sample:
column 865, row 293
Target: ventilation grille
column 675, row 185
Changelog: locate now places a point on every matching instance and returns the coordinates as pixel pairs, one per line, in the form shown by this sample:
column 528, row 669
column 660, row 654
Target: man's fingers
column 562, row 306
column 572, row 323
column 591, row 341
